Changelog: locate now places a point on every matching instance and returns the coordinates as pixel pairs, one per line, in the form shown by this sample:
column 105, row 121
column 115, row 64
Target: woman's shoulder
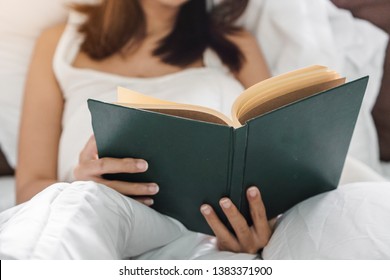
column 50, row 36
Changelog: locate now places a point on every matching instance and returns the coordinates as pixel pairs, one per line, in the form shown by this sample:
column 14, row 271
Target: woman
column 155, row 47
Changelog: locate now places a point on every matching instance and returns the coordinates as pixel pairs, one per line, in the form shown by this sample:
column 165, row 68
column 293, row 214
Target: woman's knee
column 83, row 192
column 87, row 191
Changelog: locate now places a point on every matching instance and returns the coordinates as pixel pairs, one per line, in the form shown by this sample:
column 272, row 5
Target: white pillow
column 349, row 223
column 21, row 21
column 294, row 34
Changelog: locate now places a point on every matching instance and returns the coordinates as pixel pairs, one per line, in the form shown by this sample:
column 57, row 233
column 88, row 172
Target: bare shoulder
column 50, row 36
column 54, row 31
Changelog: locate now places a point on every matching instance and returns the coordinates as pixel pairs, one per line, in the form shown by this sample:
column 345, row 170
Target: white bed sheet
column 350, row 223
column 301, row 221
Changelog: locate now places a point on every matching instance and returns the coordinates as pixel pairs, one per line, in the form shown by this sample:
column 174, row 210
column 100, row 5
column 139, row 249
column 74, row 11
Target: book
column 288, row 135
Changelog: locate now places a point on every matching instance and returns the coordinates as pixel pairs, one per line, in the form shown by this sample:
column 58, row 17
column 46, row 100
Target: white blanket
column 83, row 220
column 350, row 223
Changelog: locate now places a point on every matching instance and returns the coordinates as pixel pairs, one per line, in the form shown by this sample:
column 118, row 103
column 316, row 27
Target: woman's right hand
column 91, row 167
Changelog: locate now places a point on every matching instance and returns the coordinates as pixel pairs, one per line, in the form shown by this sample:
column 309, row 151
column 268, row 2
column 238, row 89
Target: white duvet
column 352, row 222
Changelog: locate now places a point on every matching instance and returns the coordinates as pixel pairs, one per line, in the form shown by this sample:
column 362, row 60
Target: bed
column 293, row 34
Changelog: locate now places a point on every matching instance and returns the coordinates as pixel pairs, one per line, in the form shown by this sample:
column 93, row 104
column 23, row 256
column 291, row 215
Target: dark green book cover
column 291, row 153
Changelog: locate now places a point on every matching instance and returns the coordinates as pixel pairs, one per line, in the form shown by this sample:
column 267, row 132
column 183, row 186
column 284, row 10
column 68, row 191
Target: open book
column 275, row 92
column 288, row 135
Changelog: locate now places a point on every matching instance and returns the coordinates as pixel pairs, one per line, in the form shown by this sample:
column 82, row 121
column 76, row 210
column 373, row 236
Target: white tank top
column 212, row 86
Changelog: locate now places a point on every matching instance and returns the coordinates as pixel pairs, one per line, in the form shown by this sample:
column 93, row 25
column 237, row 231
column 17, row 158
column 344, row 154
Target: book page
column 260, row 98
column 286, row 86
column 129, row 96
column 292, row 82
column 288, row 98
column 132, row 99
column 264, row 85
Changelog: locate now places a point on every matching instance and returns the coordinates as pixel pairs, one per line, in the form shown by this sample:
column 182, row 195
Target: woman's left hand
column 247, row 239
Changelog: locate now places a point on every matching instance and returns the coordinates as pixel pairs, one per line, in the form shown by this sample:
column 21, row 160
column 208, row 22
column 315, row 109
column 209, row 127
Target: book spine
column 239, row 144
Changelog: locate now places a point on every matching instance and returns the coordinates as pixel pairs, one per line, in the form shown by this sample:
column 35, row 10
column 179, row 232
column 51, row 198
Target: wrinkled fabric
column 85, row 220
column 298, row 33
column 352, row 222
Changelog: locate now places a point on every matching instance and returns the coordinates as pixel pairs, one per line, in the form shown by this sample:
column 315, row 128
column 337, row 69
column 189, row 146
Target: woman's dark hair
column 115, row 25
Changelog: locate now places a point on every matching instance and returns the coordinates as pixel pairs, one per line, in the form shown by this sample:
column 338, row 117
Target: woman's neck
column 160, row 18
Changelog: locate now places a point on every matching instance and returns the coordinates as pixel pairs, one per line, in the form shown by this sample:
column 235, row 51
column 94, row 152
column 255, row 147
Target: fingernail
column 153, row 188
column 141, row 165
column 149, row 201
column 226, row 203
column 253, row 192
column 205, row 209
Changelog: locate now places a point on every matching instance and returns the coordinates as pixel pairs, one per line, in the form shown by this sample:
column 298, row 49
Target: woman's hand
column 91, row 167
column 247, row 239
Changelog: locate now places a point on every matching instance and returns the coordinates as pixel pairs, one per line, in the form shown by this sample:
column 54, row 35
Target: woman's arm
column 40, row 128
column 254, row 68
